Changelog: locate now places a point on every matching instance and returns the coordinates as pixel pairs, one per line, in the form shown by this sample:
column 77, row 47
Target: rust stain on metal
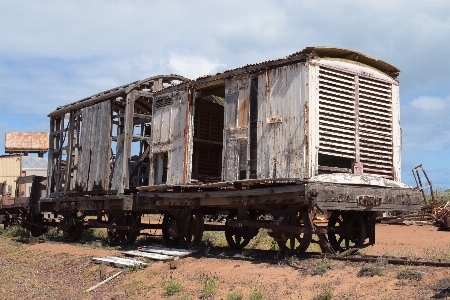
column 26, row 141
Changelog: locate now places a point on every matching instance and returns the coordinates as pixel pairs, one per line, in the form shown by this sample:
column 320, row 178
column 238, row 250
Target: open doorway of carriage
column 208, row 133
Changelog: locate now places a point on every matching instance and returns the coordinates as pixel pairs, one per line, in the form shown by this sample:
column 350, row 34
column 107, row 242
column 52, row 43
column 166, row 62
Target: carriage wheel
column 297, row 242
column 167, row 238
column 237, row 238
column 195, row 229
column 117, row 237
column 72, row 226
column 349, row 230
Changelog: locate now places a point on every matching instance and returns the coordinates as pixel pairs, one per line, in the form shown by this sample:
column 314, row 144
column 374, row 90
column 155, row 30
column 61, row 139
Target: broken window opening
column 208, row 134
column 253, row 128
column 160, row 167
column 334, row 164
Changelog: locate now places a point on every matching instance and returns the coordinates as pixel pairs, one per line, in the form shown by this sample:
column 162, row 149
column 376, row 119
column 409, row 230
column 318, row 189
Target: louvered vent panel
column 336, row 113
column 375, row 127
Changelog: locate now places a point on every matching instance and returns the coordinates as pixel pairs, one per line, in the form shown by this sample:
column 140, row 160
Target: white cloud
column 192, row 66
column 430, row 103
column 426, row 125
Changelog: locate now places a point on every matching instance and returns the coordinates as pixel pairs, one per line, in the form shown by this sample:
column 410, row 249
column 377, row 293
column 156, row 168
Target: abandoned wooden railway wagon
column 316, row 131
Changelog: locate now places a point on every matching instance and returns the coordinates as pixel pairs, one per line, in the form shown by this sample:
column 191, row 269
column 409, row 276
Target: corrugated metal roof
column 325, row 51
column 311, row 52
column 321, row 51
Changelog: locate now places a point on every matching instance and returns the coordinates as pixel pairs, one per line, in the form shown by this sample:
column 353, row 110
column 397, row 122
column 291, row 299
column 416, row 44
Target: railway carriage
column 316, row 131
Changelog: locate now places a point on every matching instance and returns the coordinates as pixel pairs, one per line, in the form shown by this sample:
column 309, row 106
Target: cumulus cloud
column 430, row 103
column 193, row 66
column 426, row 125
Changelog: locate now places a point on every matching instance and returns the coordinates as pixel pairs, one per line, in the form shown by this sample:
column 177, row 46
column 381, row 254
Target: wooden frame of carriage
column 317, row 131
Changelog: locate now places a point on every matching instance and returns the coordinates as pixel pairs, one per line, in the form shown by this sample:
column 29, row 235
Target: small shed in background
column 26, row 142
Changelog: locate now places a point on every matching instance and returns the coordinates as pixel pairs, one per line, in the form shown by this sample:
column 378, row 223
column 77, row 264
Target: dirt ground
column 63, row 271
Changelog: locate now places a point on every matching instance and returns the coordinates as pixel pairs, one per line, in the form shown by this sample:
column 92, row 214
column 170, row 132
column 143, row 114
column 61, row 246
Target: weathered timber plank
column 154, row 256
column 168, row 251
column 117, row 179
column 93, row 128
column 114, row 93
column 229, row 193
column 118, row 261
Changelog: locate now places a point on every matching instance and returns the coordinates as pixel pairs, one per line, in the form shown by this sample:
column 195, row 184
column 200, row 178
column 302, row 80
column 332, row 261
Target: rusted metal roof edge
column 326, row 51
column 114, row 92
column 307, row 53
column 252, row 68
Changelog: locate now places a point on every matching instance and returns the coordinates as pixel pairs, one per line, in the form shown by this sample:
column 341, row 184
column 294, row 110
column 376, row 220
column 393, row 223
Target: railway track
column 276, row 256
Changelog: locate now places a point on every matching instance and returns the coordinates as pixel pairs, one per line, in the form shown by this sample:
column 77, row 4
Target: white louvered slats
column 336, row 113
column 375, row 127
column 339, row 119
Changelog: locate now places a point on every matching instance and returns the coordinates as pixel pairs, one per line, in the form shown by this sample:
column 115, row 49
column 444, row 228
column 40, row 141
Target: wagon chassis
column 290, row 205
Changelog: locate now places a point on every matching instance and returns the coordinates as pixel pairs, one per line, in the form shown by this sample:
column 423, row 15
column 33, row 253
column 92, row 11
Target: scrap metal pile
column 436, row 213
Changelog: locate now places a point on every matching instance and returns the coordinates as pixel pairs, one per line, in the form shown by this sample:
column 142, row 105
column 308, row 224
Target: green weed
column 256, row 295
column 209, row 286
column 372, row 269
column 408, row 273
column 171, row 287
column 326, row 294
column 15, row 232
column 321, row 266
column 235, row 296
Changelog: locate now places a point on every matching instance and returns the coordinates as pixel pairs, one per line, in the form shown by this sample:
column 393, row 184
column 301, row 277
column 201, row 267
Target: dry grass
column 434, row 254
column 372, row 269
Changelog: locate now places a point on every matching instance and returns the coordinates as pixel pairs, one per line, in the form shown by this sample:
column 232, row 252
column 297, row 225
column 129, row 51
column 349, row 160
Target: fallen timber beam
column 407, row 262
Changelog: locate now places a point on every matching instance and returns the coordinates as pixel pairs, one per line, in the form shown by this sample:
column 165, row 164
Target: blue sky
column 57, row 52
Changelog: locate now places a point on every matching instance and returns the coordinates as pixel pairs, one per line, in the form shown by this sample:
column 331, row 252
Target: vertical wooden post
column 128, row 136
column 69, row 136
column 186, row 134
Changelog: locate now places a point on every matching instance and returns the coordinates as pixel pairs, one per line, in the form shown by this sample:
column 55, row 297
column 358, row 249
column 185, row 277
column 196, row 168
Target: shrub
column 326, row 294
column 15, row 232
column 372, row 269
column 171, row 287
column 321, row 267
column 235, row 296
column 408, row 273
column 256, row 295
column 210, row 287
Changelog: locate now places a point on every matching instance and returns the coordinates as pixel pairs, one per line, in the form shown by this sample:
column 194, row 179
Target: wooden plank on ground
column 168, row 251
column 154, row 256
column 118, row 261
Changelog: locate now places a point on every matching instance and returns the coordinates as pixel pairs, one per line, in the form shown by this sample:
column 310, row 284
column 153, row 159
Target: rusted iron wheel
column 195, row 229
column 117, row 237
column 237, row 238
column 297, row 242
column 347, row 229
column 72, row 226
column 167, row 238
